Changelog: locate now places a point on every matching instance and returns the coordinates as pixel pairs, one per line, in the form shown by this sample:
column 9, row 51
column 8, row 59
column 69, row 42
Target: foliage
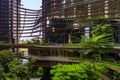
column 19, row 55
column 34, row 70
column 14, row 69
column 74, row 45
column 5, row 43
column 75, row 40
column 111, row 64
column 37, row 72
column 1, row 71
column 5, row 58
column 101, row 38
column 114, row 69
column 23, row 72
column 31, row 41
column 101, row 17
column 17, row 70
column 34, row 41
column 83, row 71
column 102, row 29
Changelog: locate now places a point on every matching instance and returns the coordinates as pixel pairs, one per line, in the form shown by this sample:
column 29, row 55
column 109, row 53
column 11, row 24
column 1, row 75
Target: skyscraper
column 9, row 20
column 86, row 13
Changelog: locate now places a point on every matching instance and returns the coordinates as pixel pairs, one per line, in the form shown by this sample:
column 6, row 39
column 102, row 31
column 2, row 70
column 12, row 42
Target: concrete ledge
column 35, row 79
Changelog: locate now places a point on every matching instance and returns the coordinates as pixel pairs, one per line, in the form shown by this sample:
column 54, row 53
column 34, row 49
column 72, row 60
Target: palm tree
column 101, row 38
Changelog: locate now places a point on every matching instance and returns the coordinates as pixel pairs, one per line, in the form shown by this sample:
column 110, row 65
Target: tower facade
column 86, row 13
column 9, row 20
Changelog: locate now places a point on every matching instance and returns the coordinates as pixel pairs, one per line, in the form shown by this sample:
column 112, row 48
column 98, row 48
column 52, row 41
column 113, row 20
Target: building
column 9, row 20
column 85, row 12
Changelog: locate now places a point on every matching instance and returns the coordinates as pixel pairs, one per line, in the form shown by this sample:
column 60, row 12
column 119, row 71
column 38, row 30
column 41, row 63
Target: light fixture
column 53, row 29
column 76, row 25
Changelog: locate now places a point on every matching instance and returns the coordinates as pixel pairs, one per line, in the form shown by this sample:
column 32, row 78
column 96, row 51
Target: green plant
column 17, row 70
column 101, row 17
column 6, row 57
column 1, row 72
column 34, row 71
column 101, row 38
column 83, row 71
column 38, row 72
column 13, row 69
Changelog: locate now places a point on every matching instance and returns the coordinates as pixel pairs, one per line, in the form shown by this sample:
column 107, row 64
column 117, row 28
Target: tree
column 23, row 72
column 14, row 69
column 18, row 71
column 6, row 57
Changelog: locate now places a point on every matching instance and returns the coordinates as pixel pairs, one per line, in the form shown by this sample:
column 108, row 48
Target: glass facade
column 87, row 13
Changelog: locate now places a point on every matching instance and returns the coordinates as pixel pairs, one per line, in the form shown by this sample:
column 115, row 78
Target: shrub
column 83, row 71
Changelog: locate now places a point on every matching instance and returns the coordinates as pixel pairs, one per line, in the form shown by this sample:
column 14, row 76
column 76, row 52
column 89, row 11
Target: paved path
column 105, row 77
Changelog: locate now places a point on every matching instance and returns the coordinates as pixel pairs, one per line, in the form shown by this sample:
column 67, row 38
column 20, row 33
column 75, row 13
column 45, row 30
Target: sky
column 32, row 4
